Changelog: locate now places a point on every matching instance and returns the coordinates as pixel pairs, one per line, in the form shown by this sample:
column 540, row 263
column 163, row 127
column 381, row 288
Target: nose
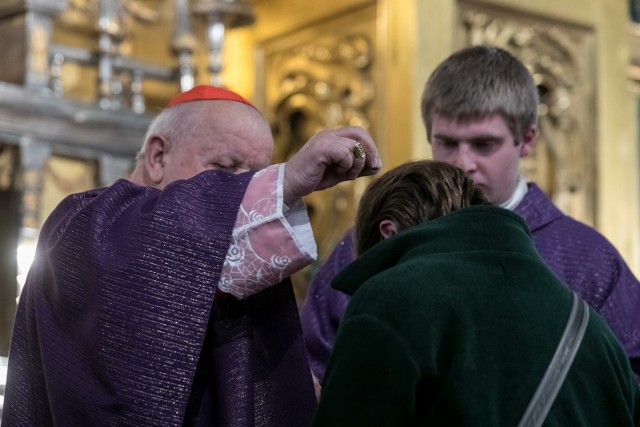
column 465, row 159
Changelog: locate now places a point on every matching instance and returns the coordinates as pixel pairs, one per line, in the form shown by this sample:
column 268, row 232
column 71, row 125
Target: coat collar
column 477, row 228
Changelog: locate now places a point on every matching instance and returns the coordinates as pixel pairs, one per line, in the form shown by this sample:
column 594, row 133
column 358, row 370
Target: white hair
column 179, row 123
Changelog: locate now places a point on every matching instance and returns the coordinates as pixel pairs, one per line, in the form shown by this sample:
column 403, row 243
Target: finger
column 358, row 152
column 361, row 136
column 368, row 171
column 344, row 163
column 358, row 165
column 341, row 163
column 360, row 162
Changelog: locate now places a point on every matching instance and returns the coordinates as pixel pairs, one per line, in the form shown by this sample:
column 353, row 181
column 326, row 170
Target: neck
column 517, row 196
column 137, row 176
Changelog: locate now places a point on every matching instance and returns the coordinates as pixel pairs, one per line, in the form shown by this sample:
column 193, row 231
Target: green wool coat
column 454, row 322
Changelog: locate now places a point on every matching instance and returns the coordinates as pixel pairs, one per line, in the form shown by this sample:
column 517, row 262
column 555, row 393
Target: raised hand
column 328, row 158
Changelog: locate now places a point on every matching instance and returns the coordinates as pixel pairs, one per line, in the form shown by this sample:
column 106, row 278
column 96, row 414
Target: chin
column 493, row 199
column 490, row 198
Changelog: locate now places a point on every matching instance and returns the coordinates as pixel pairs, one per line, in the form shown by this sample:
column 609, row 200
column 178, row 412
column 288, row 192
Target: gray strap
column 559, row 366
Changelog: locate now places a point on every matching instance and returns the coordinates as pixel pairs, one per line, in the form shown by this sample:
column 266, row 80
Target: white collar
column 517, row 196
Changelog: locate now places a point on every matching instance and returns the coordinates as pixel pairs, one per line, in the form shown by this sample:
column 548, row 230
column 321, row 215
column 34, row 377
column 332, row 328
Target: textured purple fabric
column 112, row 321
column 324, row 307
column 576, row 253
column 260, row 363
column 589, row 264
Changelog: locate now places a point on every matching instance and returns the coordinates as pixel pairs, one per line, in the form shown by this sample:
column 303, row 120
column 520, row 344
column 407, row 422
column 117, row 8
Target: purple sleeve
column 324, row 307
column 118, row 323
column 594, row 269
column 589, row 264
column 113, row 315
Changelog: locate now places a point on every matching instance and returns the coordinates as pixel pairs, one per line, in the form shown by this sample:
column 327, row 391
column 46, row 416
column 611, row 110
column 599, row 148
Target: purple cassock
column 576, row 253
column 119, row 322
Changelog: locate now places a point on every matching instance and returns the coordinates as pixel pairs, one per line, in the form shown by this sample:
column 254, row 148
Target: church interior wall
column 397, row 43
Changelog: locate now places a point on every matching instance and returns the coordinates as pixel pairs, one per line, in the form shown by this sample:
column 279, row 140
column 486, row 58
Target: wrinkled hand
column 327, row 159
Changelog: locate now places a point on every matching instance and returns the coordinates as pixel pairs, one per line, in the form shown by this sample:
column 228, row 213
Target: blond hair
column 478, row 82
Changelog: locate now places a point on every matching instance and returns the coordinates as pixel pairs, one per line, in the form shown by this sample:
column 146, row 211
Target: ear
column 154, row 154
column 528, row 141
column 387, row 228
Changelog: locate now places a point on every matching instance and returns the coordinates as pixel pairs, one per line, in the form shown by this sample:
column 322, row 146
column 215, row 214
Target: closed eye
column 235, row 168
column 222, row 167
column 486, row 145
column 446, row 143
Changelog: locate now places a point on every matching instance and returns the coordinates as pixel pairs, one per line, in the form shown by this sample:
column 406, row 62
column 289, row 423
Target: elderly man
column 156, row 301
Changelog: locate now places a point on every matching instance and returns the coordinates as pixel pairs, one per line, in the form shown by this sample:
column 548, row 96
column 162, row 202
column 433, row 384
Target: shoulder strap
column 559, row 366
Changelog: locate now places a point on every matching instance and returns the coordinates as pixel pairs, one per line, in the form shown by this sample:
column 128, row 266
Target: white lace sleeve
column 269, row 241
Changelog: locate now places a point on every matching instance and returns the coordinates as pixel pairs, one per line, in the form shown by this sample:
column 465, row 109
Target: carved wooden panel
column 561, row 57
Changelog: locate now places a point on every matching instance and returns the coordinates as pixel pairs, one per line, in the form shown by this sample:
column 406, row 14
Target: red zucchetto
column 207, row 93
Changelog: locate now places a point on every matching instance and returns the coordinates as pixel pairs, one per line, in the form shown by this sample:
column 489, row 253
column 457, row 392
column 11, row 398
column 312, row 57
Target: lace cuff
column 270, row 241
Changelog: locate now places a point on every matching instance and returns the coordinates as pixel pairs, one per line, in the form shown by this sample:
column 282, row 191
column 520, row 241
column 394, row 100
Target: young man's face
column 485, row 149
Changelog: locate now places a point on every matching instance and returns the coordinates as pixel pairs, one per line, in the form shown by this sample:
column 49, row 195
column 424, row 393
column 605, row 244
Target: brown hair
column 478, row 82
column 411, row 194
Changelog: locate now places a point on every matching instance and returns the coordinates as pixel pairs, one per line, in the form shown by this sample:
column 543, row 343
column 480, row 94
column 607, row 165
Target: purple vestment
column 578, row 254
column 118, row 324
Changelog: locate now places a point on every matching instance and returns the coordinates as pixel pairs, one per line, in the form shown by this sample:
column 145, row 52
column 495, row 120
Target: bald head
column 192, row 137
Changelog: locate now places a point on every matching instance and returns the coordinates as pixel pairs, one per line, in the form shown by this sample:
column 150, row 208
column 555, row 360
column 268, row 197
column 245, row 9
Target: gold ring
column 358, row 151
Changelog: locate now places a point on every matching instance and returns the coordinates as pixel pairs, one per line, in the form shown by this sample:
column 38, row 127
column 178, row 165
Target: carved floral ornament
column 322, row 85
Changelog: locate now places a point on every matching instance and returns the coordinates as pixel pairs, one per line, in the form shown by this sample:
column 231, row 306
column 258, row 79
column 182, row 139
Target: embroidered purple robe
column 119, row 322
